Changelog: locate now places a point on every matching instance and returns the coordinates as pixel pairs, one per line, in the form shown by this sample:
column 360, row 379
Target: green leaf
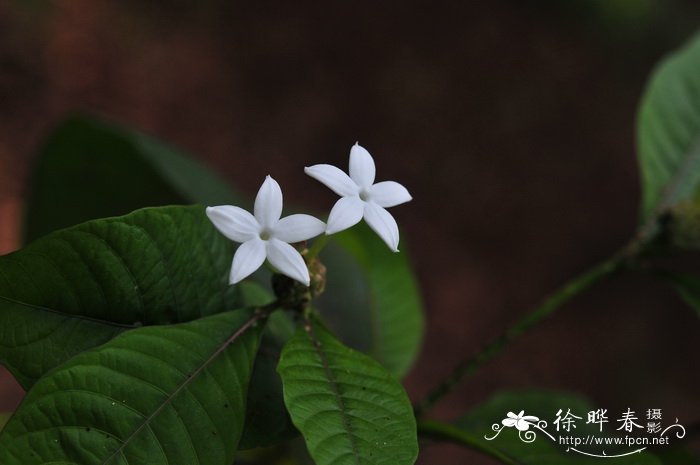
column 4, row 417
column 349, row 409
column 687, row 286
column 89, row 168
column 509, row 448
column 267, row 420
column 158, row 395
column 668, row 133
column 79, row 287
column 372, row 299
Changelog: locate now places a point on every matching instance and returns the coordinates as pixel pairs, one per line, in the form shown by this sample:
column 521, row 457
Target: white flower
column 265, row 235
column 361, row 197
column 521, row 421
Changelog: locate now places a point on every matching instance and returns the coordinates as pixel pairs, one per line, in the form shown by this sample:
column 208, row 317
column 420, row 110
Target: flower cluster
column 266, row 235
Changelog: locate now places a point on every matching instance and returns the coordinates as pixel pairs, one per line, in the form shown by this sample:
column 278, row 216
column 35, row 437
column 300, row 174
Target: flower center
column 364, row 195
column 265, row 234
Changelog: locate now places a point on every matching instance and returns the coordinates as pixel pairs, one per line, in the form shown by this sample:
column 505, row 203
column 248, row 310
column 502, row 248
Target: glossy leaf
column 509, row 447
column 668, row 133
column 372, row 299
column 158, row 395
column 79, row 287
column 349, row 409
column 267, row 421
column 90, row 168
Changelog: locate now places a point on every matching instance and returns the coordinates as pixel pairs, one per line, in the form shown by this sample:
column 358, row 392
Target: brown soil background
column 511, row 122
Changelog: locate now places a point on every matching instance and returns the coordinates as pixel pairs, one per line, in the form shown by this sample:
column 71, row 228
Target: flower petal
column 234, row 222
column 389, row 194
column 362, row 169
column 248, row 258
column 509, row 422
column 334, row 178
column 383, row 224
column 346, row 212
column 287, row 260
column 268, row 203
column 297, row 228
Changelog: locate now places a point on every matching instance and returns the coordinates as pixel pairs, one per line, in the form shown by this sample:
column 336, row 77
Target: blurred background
column 511, row 123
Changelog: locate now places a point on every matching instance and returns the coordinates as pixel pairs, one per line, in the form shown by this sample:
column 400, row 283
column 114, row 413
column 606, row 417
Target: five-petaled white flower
column 361, row 197
column 520, row 421
column 265, row 235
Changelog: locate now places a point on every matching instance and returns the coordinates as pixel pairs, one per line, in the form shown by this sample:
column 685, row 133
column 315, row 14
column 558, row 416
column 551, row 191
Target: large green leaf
column 158, row 395
column 79, row 287
column 90, row 168
column 510, row 448
column 372, row 299
column 267, row 421
column 349, row 409
column 668, row 133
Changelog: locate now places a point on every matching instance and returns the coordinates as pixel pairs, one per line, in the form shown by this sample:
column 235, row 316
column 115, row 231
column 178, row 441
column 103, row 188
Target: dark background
column 511, row 123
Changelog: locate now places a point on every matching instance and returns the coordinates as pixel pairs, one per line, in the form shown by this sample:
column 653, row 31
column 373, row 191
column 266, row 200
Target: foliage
column 134, row 347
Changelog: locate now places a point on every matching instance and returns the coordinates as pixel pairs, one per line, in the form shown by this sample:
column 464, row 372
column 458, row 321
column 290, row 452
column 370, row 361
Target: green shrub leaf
column 372, row 299
column 267, row 420
column 668, row 134
column 157, row 395
column 79, row 287
column 349, row 409
column 90, row 168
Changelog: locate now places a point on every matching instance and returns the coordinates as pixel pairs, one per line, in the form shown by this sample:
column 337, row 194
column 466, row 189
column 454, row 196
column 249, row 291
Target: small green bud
column 294, row 295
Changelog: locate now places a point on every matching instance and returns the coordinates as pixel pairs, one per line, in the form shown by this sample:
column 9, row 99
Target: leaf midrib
column 335, row 388
column 147, row 421
column 70, row 315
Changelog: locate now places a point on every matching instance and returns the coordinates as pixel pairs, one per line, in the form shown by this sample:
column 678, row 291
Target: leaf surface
column 157, row 395
column 90, row 168
column 372, row 299
column 349, row 409
column 668, row 133
column 79, row 287
column 267, row 420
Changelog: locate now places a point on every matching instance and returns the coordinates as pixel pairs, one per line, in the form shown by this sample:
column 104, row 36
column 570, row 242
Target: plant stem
column 317, row 246
column 552, row 303
column 446, row 432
